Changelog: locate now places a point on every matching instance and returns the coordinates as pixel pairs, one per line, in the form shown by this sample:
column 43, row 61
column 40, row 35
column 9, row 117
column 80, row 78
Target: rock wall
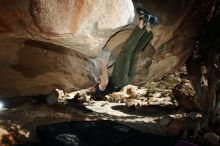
column 48, row 44
column 180, row 25
column 52, row 44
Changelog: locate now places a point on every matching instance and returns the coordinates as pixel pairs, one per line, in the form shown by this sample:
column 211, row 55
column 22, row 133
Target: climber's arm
column 104, row 74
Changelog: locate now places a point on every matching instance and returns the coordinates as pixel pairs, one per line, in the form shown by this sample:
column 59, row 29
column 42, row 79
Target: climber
column 125, row 65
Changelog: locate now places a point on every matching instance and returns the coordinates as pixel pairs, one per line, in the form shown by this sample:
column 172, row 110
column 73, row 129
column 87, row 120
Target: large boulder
column 53, row 44
column 49, row 44
column 175, row 36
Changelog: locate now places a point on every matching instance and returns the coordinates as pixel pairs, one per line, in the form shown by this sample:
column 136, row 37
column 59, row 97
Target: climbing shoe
column 151, row 19
column 146, row 15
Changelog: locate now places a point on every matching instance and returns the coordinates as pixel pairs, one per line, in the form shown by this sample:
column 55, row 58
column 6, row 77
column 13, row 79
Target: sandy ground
column 149, row 109
column 19, row 122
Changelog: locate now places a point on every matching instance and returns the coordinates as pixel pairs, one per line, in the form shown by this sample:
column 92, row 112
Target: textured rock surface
column 186, row 97
column 49, row 44
column 180, row 22
column 212, row 139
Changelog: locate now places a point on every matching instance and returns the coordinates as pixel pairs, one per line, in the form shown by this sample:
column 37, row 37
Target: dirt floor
column 151, row 108
column 18, row 124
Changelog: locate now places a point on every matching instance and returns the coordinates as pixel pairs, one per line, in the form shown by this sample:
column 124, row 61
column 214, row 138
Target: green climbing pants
column 125, row 66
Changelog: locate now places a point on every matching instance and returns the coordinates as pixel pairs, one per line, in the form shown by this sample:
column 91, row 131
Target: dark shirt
column 110, row 88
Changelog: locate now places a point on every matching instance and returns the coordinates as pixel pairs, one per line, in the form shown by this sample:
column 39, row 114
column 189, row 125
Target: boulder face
column 49, row 44
column 174, row 37
column 52, row 44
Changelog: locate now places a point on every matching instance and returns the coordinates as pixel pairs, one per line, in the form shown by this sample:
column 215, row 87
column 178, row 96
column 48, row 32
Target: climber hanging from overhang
column 125, row 65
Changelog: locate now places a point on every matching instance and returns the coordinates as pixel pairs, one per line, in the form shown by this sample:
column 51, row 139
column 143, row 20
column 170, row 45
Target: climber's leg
column 143, row 42
column 122, row 66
